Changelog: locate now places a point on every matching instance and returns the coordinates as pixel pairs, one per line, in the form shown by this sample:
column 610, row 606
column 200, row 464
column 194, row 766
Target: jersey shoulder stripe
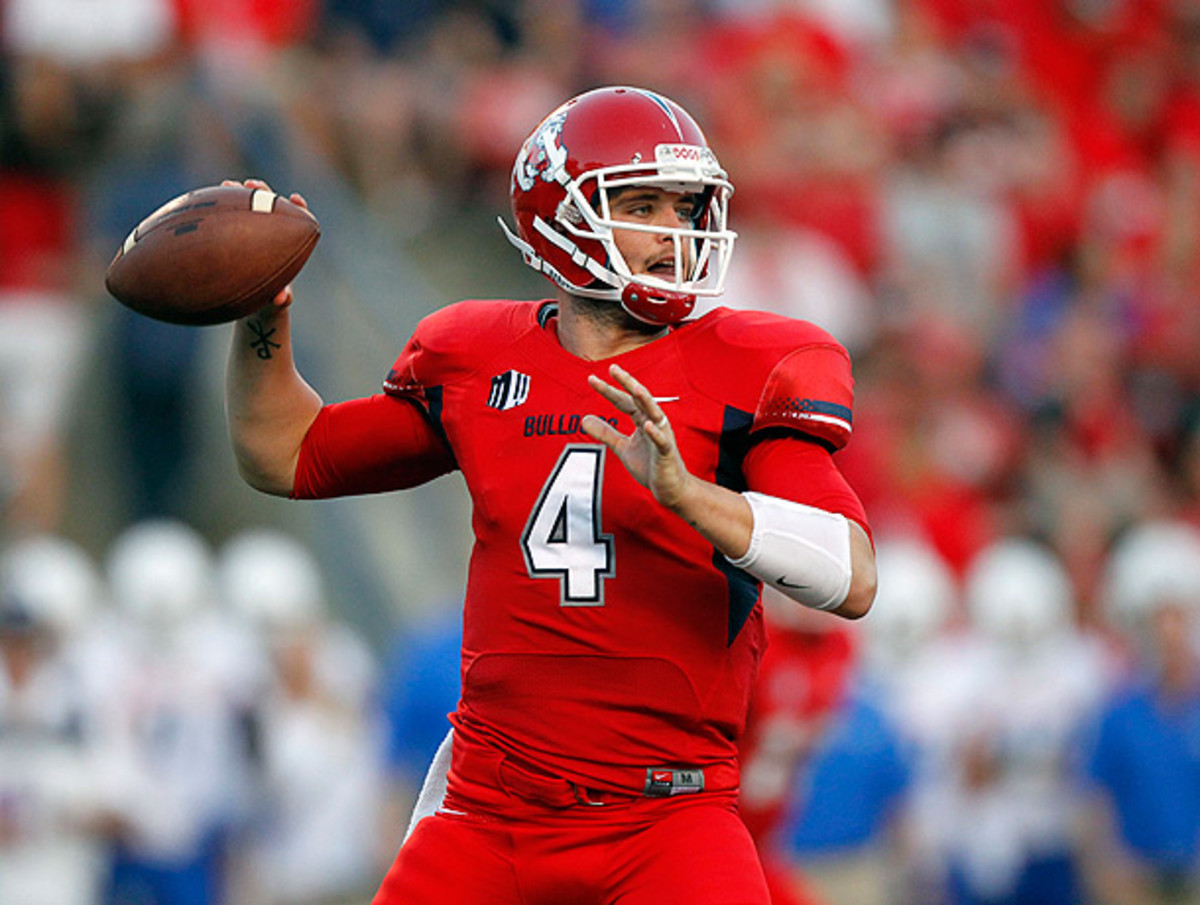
column 810, row 390
column 789, row 373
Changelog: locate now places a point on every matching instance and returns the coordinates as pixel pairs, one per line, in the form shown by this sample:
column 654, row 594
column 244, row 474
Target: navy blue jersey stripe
column 434, row 405
column 828, row 408
column 733, row 446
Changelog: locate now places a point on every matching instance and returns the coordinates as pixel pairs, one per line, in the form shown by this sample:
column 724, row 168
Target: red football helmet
column 608, row 139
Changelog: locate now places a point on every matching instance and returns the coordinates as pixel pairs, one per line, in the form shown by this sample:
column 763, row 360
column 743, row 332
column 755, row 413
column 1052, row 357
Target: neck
column 595, row 330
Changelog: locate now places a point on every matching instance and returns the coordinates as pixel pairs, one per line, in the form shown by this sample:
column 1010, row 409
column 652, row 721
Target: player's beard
column 612, row 314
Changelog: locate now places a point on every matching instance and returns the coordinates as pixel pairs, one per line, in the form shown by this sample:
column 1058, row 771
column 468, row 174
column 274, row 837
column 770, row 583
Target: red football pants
column 689, row 850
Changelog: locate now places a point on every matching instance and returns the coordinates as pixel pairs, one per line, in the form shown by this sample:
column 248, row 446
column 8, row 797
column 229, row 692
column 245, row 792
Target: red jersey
column 603, row 636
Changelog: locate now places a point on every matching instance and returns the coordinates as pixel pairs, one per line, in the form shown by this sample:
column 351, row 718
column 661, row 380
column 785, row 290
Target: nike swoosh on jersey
column 661, row 399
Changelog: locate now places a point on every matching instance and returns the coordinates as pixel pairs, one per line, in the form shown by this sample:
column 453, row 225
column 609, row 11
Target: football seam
column 304, row 250
column 137, row 234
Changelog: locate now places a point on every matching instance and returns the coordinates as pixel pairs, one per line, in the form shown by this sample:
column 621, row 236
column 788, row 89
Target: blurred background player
column 61, row 580
column 865, row 823
column 179, row 719
column 1016, row 806
column 419, row 688
column 319, row 784
column 54, row 805
column 801, row 686
column 1145, row 754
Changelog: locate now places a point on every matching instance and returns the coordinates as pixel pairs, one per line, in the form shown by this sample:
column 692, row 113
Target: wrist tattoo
column 263, row 344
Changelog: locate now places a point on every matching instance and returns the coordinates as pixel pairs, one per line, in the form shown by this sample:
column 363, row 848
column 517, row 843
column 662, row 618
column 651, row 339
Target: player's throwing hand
column 284, row 298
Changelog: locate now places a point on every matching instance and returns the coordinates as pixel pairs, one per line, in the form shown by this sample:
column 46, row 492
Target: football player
column 636, row 476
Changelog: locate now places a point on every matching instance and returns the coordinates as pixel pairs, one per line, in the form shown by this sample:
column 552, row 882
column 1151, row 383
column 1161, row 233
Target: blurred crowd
column 984, row 747
column 180, row 724
column 994, row 204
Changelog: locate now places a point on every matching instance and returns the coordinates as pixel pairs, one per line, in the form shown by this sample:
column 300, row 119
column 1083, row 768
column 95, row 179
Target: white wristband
column 802, row 551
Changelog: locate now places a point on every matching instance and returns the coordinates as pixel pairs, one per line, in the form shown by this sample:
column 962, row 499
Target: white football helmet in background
column 271, row 579
column 161, row 572
column 916, row 599
column 273, row 582
column 1153, row 564
column 1018, row 592
column 56, row 579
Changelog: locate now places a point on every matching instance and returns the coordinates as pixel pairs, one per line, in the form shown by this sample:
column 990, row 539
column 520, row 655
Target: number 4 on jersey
column 562, row 538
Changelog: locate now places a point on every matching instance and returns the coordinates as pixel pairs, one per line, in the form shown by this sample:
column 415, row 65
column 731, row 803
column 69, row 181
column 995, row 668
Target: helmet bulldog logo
column 542, row 154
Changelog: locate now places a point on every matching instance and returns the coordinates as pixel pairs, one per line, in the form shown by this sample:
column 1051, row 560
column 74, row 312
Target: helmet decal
column 542, row 154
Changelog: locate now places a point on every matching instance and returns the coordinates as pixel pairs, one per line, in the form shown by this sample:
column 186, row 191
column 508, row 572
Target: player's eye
column 634, row 210
column 688, row 209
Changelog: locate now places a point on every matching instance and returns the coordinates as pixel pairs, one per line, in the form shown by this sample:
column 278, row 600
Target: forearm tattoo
column 262, row 344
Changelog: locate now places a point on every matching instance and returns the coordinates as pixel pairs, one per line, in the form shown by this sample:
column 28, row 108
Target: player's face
column 648, row 251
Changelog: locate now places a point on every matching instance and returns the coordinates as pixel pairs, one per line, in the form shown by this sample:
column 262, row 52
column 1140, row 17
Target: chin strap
column 657, row 306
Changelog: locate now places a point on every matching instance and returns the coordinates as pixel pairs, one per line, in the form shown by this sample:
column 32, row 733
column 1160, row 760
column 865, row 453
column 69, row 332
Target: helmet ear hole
column 567, row 212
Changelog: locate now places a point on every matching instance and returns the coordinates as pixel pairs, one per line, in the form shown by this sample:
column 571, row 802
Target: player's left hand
column 650, row 453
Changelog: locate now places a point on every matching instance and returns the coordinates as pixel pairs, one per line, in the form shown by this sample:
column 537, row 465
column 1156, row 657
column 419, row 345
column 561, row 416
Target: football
column 212, row 255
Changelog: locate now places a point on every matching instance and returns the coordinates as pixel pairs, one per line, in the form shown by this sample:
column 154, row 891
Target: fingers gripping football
column 284, row 297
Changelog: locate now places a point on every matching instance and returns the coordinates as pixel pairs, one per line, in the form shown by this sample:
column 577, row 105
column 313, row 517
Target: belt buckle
column 663, row 782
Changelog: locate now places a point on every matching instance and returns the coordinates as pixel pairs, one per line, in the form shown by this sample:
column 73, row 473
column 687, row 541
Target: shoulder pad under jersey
column 456, row 341
column 790, row 373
